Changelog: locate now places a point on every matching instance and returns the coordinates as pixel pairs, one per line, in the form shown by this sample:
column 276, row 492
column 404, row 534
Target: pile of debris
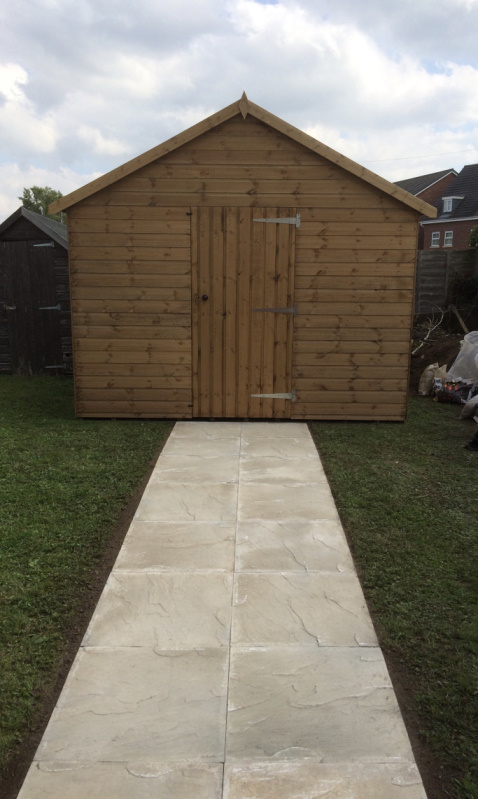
column 459, row 384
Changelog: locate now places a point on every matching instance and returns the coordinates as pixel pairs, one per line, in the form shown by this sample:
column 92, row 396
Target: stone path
column 231, row 655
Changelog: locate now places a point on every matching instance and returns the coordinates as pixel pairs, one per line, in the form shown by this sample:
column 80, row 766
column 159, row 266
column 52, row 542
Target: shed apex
column 56, row 230
column 244, row 107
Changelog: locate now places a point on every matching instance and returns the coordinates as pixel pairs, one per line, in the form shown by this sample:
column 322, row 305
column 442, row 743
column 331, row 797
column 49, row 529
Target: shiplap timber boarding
column 242, row 269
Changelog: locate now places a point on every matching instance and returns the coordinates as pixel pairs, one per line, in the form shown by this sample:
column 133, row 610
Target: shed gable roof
column 55, row 230
column 244, row 106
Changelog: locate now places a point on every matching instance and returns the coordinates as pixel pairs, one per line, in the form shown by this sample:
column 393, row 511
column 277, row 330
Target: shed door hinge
column 293, row 310
column 50, row 308
column 57, row 366
column 48, row 244
column 285, row 220
column 290, row 396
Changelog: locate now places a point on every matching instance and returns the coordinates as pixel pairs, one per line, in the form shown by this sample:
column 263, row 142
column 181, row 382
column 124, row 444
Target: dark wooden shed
column 35, row 319
column 242, row 269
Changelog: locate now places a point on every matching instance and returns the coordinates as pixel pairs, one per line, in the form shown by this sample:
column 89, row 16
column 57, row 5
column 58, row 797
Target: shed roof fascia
column 244, row 106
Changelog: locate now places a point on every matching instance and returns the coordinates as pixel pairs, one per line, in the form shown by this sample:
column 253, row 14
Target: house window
column 436, row 239
column 447, row 204
column 448, row 240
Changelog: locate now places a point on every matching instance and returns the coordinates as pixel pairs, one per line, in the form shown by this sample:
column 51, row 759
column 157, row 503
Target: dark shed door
column 33, row 316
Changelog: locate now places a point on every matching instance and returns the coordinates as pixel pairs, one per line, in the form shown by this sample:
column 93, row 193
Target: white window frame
column 448, row 238
column 447, row 204
column 435, row 242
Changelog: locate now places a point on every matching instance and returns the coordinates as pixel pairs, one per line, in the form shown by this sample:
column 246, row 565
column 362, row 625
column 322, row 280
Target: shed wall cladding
column 168, row 266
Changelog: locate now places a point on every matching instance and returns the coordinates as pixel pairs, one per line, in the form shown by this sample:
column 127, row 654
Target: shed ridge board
column 242, row 270
column 244, row 107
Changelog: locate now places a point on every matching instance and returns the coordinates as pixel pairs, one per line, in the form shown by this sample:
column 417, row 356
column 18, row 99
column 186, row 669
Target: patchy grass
column 407, row 496
column 63, row 484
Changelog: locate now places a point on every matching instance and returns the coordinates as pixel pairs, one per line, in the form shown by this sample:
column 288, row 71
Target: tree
column 38, row 198
column 473, row 242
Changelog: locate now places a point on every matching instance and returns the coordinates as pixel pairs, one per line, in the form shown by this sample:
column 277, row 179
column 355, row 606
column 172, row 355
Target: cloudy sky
column 88, row 84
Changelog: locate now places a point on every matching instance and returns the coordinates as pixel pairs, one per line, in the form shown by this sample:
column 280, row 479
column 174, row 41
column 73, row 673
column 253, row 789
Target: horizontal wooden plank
column 130, row 266
column 355, row 309
column 138, row 332
column 129, row 254
column 135, row 370
column 189, row 154
column 137, row 280
column 154, row 307
column 288, row 171
column 132, row 226
column 136, row 240
column 351, row 227
column 373, row 334
column 160, row 409
column 133, row 394
column 340, row 282
column 344, row 242
column 132, row 345
column 129, row 293
column 355, row 255
column 342, row 296
column 220, row 142
column 324, row 371
column 352, row 269
column 303, row 384
column 331, row 322
column 350, row 397
column 243, row 200
column 386, row 210
column 377, row 416
column 227, row 185
column 133, row 381
column 352, row 346
column 349, row 359
column 343, row 410
column 150, row 316
column 159, row 359
column 97, row 210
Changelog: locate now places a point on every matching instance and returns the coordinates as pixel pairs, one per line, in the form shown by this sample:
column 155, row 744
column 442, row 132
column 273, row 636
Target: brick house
column 429, row 188
column 457, row 213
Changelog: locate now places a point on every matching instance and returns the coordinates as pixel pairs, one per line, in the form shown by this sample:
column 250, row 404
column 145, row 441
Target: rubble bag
column 465, row 365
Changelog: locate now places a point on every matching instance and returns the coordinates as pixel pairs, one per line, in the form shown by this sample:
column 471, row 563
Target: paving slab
column 296, row 545
column 231, row 654
column 290, row 608
column 178, row 546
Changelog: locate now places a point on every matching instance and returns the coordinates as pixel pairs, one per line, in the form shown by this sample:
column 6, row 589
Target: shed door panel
column 33, row 320
column 240, row 265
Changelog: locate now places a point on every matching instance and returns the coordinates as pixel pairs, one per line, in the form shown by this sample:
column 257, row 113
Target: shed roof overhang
column 243, row 106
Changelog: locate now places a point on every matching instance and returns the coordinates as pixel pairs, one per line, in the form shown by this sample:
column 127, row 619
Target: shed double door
column 243, row 312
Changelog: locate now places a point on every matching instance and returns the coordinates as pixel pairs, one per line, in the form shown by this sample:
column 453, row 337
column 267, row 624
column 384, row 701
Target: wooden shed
column 35, row 323
column 242, row 269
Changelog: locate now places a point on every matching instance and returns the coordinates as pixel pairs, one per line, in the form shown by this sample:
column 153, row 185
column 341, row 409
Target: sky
column 86, row 85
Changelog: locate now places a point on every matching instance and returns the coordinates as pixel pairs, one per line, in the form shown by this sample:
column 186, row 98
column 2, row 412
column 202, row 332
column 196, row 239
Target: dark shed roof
column 417, row 185
column 56, row 230
column 465, row 185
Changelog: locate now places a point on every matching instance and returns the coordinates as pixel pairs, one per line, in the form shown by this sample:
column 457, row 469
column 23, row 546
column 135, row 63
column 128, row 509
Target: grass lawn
column 63, row 485
column 407, row 496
